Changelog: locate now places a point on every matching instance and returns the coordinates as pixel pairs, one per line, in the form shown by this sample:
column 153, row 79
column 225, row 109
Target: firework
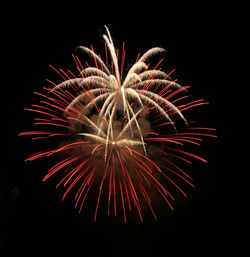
column 110, row 129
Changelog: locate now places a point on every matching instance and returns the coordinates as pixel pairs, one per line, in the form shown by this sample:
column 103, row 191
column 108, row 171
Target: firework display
column 123, row 135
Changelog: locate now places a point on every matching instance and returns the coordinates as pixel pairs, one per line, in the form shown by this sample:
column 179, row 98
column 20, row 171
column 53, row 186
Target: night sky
column 208, row 48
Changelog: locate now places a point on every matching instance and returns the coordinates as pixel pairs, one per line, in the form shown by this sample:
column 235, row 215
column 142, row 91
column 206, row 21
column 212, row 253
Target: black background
column 208, row 47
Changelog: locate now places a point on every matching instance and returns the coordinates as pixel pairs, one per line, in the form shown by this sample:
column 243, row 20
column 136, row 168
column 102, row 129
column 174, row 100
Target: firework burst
column 110, row 129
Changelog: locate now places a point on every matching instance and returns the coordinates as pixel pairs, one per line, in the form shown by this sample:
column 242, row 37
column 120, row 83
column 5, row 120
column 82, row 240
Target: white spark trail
column 104, row 89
